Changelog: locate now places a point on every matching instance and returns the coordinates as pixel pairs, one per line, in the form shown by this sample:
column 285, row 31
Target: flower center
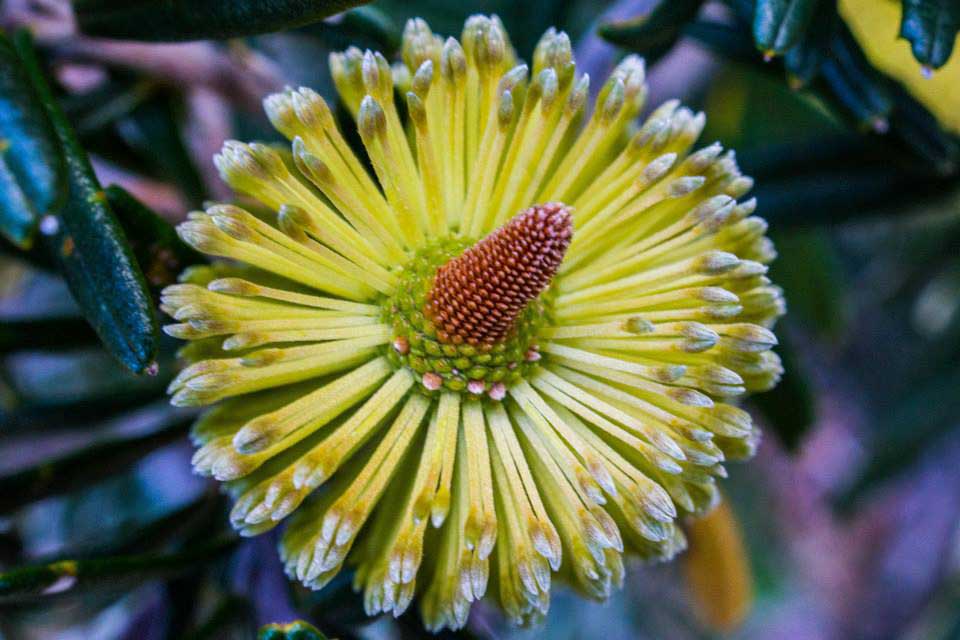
column 466, row 318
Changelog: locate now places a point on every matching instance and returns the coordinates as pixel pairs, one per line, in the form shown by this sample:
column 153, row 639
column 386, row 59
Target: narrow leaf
column 35, row 256
column 837, row 196
column 931, row 26
column 18, row 218
column 653, row 33
column 373, row 24
column 920, row 131
column 778, row 25
column 175, row 20
column 130, row 535
column 35, row 417
column 725, row 39
column 803, row 60
column 73, row 576
column 32, row 173
column 72, row 389
column 87, row 466
column 90, row 248
column 160, row 252
column 854, row 82
column 44, row 334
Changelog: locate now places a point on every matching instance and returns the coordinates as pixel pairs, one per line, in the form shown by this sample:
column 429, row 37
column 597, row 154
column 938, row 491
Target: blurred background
column 844, row 526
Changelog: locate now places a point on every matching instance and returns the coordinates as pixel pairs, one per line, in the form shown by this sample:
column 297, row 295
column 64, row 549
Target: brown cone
column 477, row 296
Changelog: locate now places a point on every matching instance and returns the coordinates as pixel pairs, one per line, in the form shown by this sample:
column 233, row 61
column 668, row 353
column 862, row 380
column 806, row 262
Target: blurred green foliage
column 200, row 19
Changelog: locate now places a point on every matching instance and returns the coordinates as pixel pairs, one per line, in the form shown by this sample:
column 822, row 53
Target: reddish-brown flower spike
column 477, row 296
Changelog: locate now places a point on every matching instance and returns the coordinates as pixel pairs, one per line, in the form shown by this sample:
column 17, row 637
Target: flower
column 505, row 351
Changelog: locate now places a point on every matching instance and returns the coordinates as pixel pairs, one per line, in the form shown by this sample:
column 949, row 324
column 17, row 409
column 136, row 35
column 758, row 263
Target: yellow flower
column 442, row 412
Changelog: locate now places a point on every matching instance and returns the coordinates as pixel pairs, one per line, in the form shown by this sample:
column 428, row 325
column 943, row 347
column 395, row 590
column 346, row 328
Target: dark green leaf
column 161, row 253
column 32, row 416
column 97, row 110
column 85, row 467
column 836, row 196
column 72, row 389
column 73, row 576
column 373, row 24
column 725, row 39
column 32, row 173
column 298, row 630
column 653, row 33
column 853, row 90
column 778, row 25
column 845, row 90
column 91, row 249
column 18, row 221
column 788, row 409
column 860, row 90
column 160, row 20
column 742, row 10
column 803, row 60
column 36, row 257
column 854, row 82
column 195, row 518
column 920, row 131
column 931, row 26
column 44, row 334
column 198, row 518
column 829, row 150
column 861, row 73
column 831, row 64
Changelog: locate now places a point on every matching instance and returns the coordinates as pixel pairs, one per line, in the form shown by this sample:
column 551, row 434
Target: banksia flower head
column 508, row 352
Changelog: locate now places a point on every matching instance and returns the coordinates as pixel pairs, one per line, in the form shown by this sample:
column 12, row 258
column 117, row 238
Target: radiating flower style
column 505, row 349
